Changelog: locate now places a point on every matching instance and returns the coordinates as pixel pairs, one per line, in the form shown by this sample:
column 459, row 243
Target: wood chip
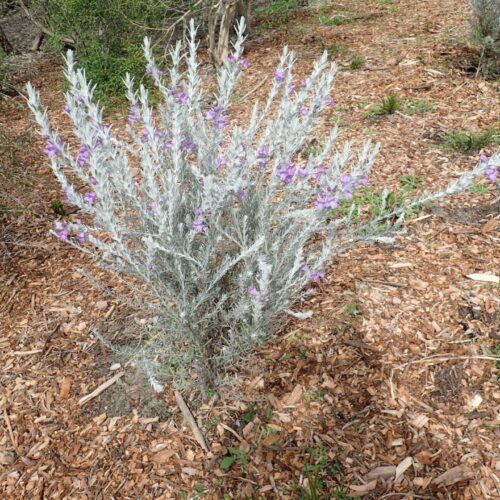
column 65, row 388
column 402, row 468
column 294, row 397
column 455, row 475
column 486, row 277
column 382, row 472
column 163, row 456
column 360, row 489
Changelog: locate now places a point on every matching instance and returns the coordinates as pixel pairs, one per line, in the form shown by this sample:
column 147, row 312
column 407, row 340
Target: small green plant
column 415, row 106
column 357, row 62
column 470, row 142
column 333, row 49
column 236, row 455
column 280, row 8
column 496, row 352
column 249, row 413
column 57, row 207
column 479, row 189
column 388, row 106
column 315, row 395
column 352, row 309
column 269, row 412
column 303, row 353
column 267, row 430
column 334, row 21
column 199, row 492
column 410, row 183
column 214, row 421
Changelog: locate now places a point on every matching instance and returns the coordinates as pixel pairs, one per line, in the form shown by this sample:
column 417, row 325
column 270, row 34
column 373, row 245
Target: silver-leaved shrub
column 218, row 229
column 486, row 24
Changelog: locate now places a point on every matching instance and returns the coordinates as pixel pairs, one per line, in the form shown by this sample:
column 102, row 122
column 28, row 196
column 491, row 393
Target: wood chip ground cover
column 390, row 391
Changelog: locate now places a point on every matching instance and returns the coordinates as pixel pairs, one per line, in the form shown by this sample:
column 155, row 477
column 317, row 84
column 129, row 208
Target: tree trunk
column 4, row 42
column 221, row 21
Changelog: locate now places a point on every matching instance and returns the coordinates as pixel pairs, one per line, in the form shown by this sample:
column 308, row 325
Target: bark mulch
column 391, row 390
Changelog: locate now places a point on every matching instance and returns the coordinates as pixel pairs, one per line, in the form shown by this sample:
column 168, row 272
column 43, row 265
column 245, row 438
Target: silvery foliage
column 486, row 23
column 218, row 253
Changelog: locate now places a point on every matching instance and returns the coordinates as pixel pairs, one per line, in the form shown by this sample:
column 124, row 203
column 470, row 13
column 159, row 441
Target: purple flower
column 220, row 162
column 61, row 230
column 149, row 70
column 199, row 225
column 316, row 276
column 82, row 237
column 290, row 90
column 187, row 146
column 167, row 145
column 211, row 114
column 363, row 180
column 63, row 235
column 345, row 179
column 263, row 152
column 483, row 159
column 182, row 97
column 144, row 135
column 347, row 192
column 51, row 150
column 200, row 211
column 67, row 109
column 132, row 117
column 303, row 84
column 491, row 174
column 218, row 116
column 232, row 59
column 318, row 173
column 304, row 111
column 65, row 196
column 158, row 134
column 241, row 194
column 151, row 208
column 329, row 102
column 221, row 122
column 286, row 173
column 325, row 201
column 303, row 173
column 253, row 292
column 244, row 63
column 89, row 197
column 93, row 181
column 83, row 156
column 263, row 155
column 304, row 267
column 279, row 76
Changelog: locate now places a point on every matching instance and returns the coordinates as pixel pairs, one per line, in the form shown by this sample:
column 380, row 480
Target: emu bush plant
column 222, row 230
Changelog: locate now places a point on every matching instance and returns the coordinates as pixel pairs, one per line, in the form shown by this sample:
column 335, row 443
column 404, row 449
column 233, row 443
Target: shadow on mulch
column 474, row 215
column 132, row 392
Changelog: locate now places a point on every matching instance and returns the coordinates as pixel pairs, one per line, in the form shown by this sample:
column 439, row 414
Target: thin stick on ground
column 188, row 416
column 100, row 389
column 9, row 428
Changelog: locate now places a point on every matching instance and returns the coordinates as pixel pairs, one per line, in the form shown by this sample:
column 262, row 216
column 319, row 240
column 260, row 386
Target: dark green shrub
column 107, row 35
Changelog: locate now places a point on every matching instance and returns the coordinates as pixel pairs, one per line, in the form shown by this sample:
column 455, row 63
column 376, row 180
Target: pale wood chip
column 455, row 475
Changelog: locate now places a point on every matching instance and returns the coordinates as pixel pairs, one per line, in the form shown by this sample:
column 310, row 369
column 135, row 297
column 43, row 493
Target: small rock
column 7, row 457
column 115, row 367
column 102, row 305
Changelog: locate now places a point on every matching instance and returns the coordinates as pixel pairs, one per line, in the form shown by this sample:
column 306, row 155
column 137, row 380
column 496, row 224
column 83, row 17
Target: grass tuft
column 357, row 62
column 465, row 142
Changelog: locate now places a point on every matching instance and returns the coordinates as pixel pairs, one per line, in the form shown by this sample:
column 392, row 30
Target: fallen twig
column 100, row 389
column 9, row 428
column 188, row 416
